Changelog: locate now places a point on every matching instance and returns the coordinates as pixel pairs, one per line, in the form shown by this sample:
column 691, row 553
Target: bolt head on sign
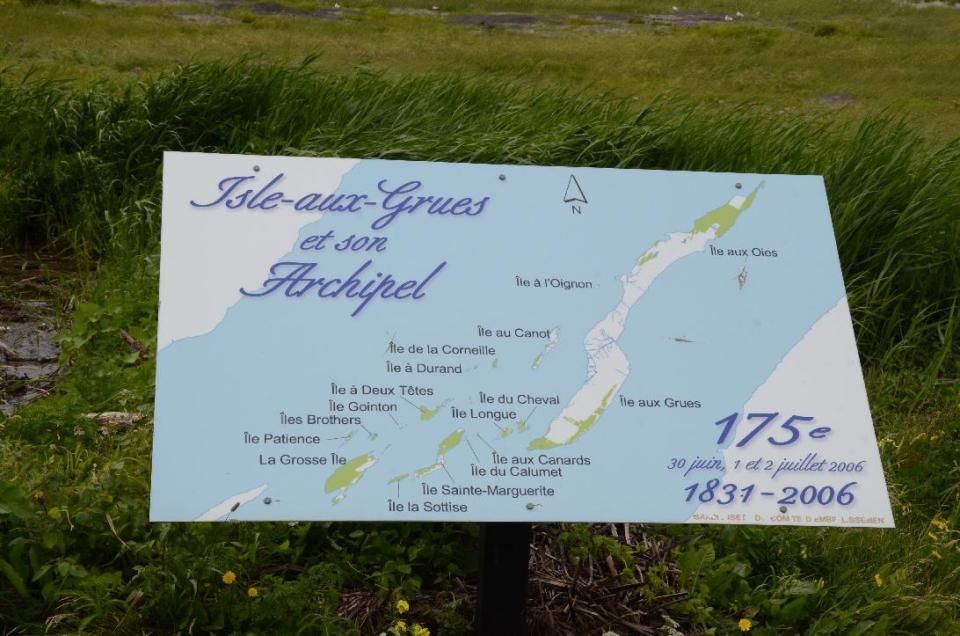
column 346, row 339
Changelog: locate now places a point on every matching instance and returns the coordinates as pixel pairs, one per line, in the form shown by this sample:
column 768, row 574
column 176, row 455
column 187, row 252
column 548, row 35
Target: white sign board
column 390, row 340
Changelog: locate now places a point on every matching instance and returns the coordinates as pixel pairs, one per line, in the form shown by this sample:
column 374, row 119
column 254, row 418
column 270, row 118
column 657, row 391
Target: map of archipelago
column 389, row 340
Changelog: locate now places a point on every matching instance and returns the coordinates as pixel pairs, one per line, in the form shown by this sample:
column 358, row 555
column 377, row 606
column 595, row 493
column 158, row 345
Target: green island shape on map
column 348, row 474
column 723, row 217
column 449, row 443
column 427, row 413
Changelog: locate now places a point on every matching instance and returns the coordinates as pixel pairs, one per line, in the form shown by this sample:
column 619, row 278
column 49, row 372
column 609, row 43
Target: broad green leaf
column 13, row 501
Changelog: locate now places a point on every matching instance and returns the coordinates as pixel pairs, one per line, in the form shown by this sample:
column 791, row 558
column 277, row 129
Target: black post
column 504, row 563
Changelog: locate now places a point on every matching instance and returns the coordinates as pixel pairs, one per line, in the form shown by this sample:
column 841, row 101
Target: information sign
column 391, row 340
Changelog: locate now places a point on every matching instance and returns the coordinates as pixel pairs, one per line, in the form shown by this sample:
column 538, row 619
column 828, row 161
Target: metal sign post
column 504, row 571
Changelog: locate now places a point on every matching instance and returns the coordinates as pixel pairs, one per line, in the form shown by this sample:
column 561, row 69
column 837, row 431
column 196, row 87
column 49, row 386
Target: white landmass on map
column 199, row 279
column 231, row 504
column 820, row 377
column 607, row 364
column 552, row 341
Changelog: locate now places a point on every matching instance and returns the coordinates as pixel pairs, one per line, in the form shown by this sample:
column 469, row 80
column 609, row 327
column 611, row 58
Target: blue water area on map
column 273, row 354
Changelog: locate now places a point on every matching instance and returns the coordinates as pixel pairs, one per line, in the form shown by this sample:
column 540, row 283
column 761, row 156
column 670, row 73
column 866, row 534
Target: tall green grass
column 80, row 172
column 80, row 168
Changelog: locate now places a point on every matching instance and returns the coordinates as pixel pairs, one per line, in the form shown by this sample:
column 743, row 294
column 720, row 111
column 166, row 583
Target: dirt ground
column 30, row 316
column 503, row 19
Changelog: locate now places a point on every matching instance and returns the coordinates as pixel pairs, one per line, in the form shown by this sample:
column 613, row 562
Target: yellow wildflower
column 745, row 624
column 936, row 555
column 400, row 626
column 933, row 536
column 229, row 577
column 253, row 592
column 419, row 630
column 38, row 495
column 878, row 579
column 939, row 524
column 402, row 606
